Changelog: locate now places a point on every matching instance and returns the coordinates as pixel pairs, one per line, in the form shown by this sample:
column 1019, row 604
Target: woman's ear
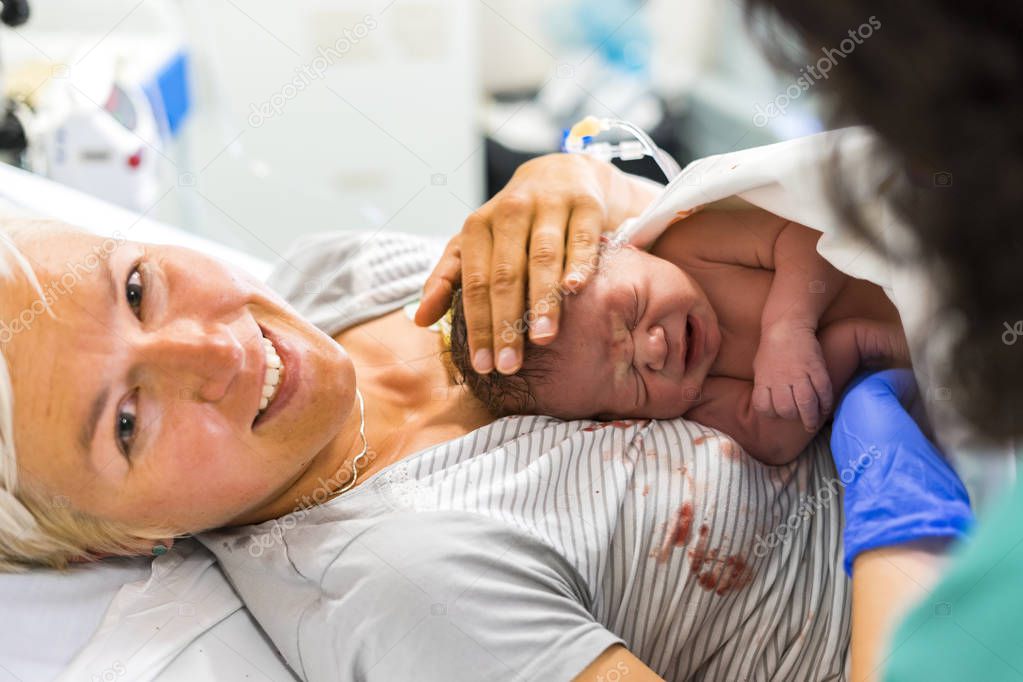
column 139, row 547
column 161, row 547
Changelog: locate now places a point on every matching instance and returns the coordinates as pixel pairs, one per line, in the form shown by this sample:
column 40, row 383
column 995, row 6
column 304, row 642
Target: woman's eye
column 133, row 291
column 124, row 430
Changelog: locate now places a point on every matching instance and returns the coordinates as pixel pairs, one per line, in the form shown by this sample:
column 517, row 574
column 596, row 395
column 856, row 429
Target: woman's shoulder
column 339, row 279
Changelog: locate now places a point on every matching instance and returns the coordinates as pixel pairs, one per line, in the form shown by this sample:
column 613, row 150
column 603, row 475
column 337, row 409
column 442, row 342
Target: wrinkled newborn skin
column 637, row 341
column 677, row 331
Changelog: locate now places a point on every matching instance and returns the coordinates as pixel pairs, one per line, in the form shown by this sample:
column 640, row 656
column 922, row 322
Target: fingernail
column 573, row 280
column 483, row 361
column 507, row 361
column 543, row 327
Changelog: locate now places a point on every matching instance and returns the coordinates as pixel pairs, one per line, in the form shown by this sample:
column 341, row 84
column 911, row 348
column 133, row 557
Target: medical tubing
column 668, row 165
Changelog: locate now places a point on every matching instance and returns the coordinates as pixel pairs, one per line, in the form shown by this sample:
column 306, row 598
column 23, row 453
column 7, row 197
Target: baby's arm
column 846, row 345
column 855, row 342
column 729, row 408
column 790, row 375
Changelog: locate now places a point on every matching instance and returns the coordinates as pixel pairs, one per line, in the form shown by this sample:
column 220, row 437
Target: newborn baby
column 732, row 319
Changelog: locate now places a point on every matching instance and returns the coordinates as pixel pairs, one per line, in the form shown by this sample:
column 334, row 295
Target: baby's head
column 637, row 341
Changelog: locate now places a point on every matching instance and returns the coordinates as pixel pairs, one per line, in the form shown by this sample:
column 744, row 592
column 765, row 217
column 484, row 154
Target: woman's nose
column 205, row 359
column 652, row 348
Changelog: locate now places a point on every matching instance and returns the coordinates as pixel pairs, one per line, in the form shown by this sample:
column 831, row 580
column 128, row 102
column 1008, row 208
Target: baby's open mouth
column 688, row 357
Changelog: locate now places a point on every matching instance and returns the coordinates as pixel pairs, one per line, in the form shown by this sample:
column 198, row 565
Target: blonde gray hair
column 38, row 527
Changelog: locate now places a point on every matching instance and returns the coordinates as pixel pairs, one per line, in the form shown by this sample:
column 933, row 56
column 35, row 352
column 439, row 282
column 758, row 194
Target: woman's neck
column 411, row 403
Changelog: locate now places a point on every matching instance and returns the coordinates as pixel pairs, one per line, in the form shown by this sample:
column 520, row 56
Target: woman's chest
column 391, row 339
column 413, row 401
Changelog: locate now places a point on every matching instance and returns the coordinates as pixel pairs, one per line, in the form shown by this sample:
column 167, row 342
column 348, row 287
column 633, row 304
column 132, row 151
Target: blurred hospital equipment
column 301, row 118
column 580, row 139
column 98, row 116
column 685, row 71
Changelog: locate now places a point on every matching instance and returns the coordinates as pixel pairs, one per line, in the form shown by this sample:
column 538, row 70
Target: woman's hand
column 542, row 231
column 898, row 487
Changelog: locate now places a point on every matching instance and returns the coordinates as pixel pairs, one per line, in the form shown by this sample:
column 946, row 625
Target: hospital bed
column 171, row 618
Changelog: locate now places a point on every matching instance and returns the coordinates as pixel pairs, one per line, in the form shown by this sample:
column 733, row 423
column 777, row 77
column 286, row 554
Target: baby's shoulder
column 721, row 240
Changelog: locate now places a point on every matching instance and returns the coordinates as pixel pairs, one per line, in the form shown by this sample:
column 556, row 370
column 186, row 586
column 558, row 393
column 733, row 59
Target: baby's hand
column 790, row 379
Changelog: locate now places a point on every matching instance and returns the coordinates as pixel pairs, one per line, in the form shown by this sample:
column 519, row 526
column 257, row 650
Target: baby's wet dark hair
column 501, row 394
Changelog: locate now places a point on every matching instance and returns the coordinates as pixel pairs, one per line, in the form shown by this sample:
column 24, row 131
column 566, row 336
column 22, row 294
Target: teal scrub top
column 971, row 626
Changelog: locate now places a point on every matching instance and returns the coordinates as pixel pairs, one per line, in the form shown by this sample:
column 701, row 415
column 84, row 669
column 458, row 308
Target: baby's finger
column 806, row 403
column 825, row 393
column 476, row 292
column 784, row 403
column 511, row 222
column 546, row 257
column 762, row 400
column 440, row 285
column 585, row 226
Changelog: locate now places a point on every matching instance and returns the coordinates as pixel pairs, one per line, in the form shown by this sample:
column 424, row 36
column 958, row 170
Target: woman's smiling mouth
column 272, row 376
column 280, row 376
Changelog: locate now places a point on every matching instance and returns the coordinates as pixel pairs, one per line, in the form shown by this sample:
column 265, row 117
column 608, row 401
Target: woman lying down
column 165, row 394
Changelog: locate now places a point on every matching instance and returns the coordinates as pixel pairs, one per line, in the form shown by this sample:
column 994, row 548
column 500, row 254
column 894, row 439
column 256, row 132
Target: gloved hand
column 898, row 486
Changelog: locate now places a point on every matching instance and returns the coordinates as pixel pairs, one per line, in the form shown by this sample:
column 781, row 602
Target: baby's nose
column 653, row 348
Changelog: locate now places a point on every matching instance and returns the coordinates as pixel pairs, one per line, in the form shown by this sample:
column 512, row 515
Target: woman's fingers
column 546, row 257
column 510, row 225
column 476, row 256
column 585, row 226
column 441, row 284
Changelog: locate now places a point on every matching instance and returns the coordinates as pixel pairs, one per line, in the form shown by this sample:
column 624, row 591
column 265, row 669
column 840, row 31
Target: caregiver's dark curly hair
column 941, row 81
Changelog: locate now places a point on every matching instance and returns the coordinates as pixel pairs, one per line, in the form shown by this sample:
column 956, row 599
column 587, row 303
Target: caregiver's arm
column 543, row 230
column 903, row 503
column 887, row 583
column 617, row 659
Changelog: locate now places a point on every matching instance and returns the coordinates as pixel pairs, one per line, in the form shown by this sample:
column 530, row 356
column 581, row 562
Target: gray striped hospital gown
column 524, row 549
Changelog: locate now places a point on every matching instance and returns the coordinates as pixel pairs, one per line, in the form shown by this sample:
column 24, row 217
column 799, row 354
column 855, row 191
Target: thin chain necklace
column 358, row 461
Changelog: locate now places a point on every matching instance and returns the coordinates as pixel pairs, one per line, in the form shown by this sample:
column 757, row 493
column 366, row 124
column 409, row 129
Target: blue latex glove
column 898, row 487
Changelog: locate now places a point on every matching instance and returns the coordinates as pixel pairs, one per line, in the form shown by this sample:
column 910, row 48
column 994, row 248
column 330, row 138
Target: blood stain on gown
column 716, row 572
column 677, row 532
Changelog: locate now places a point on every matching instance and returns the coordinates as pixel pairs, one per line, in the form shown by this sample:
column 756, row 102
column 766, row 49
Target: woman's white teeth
column 273, row 373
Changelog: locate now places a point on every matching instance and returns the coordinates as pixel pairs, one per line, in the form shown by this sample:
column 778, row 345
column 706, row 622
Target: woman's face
column 138, row 403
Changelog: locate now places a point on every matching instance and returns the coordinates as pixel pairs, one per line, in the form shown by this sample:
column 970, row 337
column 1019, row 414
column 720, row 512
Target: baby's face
column 637, row 341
